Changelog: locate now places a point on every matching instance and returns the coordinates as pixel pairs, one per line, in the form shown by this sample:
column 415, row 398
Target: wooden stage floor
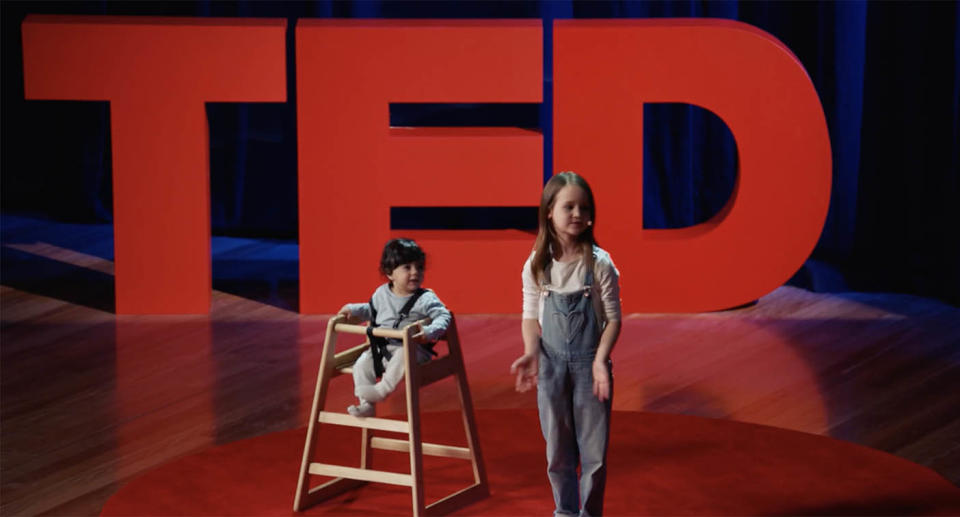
column 90, row 399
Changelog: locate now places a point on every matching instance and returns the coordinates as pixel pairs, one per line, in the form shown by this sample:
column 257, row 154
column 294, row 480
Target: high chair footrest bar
column 429, row 449
column 331, row 488
column 383, row 424
column 379, row 476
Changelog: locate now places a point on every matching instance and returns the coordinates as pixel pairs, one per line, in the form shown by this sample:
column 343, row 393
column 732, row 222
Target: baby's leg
column 363, row 379
column 363, row 374
column 392, row 375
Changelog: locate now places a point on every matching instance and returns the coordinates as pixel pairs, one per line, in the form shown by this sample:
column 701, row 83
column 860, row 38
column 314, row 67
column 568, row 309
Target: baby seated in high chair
column 395, row 304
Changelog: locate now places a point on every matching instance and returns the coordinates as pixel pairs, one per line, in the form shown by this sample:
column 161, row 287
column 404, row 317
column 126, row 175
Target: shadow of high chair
column 416, row 376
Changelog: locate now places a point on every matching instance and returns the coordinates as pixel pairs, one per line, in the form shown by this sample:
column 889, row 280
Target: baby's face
column 406, row 278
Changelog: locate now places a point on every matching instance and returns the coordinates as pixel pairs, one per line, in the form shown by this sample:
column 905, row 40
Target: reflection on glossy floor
column 90, row 399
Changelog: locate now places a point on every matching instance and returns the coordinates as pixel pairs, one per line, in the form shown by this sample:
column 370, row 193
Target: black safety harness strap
column 378, row 345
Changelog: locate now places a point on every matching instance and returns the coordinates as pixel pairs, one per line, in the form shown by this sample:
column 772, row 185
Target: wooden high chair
column 416, row 376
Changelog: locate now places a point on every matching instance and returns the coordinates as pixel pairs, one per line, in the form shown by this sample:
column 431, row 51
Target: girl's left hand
column 601, row 380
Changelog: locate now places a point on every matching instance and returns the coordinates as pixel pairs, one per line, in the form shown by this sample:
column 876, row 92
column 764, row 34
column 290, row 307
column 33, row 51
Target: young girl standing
column 571, row 320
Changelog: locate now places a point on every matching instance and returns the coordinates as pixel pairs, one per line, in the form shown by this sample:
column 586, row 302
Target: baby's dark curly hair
column 398, row 252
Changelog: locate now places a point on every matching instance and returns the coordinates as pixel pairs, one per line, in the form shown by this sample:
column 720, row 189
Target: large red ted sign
column 157, row 73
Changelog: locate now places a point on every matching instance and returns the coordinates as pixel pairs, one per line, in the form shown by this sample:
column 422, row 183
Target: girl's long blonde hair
column 547, row 237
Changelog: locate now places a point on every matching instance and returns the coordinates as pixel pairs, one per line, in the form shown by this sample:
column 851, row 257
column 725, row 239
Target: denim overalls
column 572, row 418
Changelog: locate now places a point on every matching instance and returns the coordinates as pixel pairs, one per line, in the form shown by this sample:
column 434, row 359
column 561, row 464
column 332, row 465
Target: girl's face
column 406, row 278
column 571, row 213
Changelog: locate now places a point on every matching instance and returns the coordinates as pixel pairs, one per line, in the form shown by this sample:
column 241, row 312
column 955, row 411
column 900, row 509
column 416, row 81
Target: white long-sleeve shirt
column 568, row 277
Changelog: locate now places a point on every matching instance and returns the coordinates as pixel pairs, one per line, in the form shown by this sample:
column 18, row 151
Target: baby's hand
column 417, row 335
column 526, row 368
column 344, row 311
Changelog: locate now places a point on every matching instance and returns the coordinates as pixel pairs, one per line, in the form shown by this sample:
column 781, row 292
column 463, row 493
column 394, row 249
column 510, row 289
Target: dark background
column 888, row 76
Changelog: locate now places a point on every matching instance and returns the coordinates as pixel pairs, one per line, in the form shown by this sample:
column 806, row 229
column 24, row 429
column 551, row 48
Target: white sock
column 364, row 409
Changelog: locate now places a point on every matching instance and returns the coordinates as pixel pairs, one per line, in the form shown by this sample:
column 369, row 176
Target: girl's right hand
column 525, row 368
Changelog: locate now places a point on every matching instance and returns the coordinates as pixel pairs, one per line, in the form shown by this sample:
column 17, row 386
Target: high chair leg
column 466, row 410
column 366, row 437
column 413, row 416
column 324, row 373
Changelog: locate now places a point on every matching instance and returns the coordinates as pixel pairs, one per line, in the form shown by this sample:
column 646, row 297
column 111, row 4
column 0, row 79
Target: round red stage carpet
column 659, row 464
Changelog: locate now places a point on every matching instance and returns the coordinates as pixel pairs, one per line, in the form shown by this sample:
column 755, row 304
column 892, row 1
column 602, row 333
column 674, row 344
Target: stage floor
column 659, row 464
column 91, row 400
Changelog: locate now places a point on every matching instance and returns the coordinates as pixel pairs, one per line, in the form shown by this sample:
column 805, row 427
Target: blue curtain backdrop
column 888, row 75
